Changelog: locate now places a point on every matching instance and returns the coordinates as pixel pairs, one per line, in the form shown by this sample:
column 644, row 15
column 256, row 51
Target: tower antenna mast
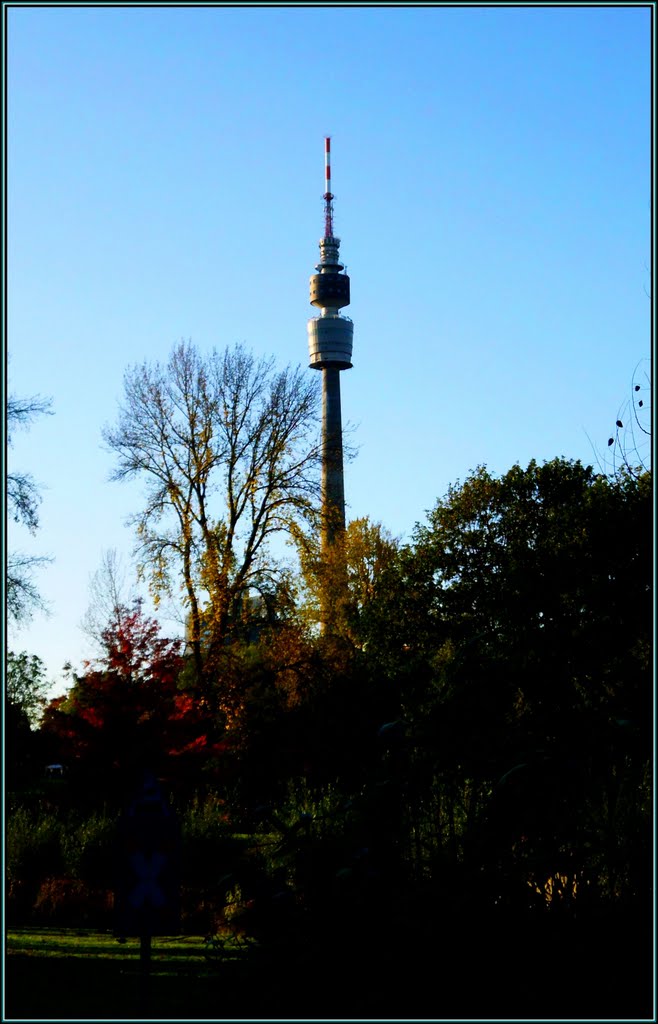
column 328, row 195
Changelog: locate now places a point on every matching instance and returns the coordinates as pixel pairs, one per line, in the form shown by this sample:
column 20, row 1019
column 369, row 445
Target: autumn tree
column 118, row 714
column 23, row 500
column 227, row 447
column 341, row 581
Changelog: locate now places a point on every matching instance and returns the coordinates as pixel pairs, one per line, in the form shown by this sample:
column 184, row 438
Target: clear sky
column 491, row 167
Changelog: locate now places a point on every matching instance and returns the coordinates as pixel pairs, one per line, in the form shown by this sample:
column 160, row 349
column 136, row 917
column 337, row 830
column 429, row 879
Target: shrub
column 70, row 902
column 90, row 850
column 34, row 852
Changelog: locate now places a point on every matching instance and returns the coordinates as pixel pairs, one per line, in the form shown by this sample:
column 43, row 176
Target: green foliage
column 207, row 837
column 513, row 638
column 44, row 842
column 89, row 849
column 33, row 853
column 33, row 845
column 211, row 857
column 542, row 587
column 26, row 684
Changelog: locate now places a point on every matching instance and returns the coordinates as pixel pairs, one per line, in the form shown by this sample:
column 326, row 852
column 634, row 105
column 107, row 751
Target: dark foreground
column 550, row 970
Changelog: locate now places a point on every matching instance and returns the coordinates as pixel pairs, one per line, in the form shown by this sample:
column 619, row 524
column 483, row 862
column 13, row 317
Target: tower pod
column 330, row 341
column 330, row 290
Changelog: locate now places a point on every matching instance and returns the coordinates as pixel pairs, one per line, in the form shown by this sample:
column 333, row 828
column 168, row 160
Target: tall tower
column 330, row 350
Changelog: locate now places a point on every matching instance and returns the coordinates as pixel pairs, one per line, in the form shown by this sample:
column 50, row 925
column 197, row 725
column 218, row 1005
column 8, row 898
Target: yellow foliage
column 556, row 888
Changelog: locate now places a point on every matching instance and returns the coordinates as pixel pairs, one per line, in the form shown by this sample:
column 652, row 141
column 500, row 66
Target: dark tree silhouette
column 23, row 500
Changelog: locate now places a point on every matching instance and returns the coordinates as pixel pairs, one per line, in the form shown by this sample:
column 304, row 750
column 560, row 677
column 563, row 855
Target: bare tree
column 110, row 597
column 629, row 446
column 23, row 500
column 229, row 450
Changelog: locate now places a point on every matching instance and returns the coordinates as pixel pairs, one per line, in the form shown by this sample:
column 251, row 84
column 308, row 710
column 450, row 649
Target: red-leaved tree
column 124, row 713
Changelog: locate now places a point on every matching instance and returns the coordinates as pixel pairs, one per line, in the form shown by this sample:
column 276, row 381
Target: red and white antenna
column 328, row 208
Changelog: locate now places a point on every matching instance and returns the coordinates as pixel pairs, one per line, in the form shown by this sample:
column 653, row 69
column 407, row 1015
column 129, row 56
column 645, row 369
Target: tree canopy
column 26, row 685
column 529, row 595
column 228, row 449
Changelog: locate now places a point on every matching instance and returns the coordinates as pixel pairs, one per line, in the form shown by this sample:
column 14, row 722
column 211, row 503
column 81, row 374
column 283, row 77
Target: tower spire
column 328, row 205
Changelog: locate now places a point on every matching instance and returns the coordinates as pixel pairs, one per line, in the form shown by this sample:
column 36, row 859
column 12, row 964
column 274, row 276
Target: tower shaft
column 333, row 487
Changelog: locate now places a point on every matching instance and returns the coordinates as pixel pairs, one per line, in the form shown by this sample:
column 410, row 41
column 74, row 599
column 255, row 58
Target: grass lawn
column 70, row 974
column 70, row 942
column 449, row 974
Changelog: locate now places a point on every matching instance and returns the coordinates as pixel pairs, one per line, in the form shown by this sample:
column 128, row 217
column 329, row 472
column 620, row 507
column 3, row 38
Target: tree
column 629, row 446
column 543, row 587
column 26, row 688
column 23, row 501
column 515, row 635
column 229, row 451
column 346, row 577
column 109, row 598
column 116, row 718
column 26, row 685
column 538, row 684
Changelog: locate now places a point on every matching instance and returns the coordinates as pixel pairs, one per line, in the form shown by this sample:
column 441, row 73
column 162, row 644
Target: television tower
column 330, row 350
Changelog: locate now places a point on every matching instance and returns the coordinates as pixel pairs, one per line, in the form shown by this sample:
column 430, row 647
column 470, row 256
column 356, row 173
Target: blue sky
column 491, row 167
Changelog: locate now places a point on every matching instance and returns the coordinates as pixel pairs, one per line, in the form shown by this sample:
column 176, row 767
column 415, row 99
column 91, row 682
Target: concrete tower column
column 333, row 487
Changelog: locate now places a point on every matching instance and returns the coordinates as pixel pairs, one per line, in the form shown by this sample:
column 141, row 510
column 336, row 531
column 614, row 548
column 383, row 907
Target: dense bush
column 59, row 866
column 71, row 903
column 34, row 851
